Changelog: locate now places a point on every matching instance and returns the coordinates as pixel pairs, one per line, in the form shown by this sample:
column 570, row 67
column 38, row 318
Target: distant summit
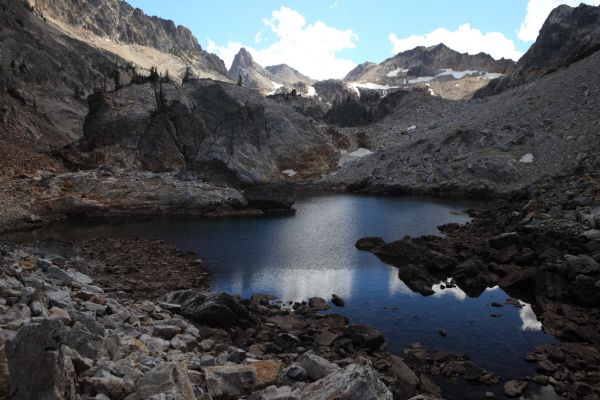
column 267, row 80
column 423, row 64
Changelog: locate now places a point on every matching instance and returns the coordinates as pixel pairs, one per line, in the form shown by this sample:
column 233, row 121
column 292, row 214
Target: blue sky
column 326, row 38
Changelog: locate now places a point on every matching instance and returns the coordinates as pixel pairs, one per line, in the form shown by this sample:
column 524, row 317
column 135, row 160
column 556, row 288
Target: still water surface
column 312, row 253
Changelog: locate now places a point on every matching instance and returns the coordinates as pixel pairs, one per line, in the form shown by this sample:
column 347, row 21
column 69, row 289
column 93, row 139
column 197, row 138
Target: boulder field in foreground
column 63, row 337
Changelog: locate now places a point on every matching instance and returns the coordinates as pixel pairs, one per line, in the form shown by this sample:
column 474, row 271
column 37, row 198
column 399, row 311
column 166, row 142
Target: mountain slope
column 568, row 35
column 437, row 66
column 288, row 76
column 115, row 26
column 496, row 145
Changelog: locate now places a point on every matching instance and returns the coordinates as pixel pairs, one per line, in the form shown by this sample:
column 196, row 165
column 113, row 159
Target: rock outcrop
column 568, row 35
column 224, row 132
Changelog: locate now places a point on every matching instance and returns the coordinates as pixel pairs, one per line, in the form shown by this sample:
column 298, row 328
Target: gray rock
column 35, row 351
column 184, row 342
column 230, row 381
column 315, row 366
column 355, row 382
column 166, row 332
column 579, row 265
column 365, row 336
column 274, row 393
column 318, row 303
column 108, row 385
column 61, row 299
column 219, row 310
column 514, row 388
column 295, row 372
column 592, row 234
column 165, row 381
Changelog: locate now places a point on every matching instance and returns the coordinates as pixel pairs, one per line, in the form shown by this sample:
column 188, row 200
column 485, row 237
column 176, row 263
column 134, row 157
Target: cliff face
column 122, row 24
column 568, row 35
column 225, row 132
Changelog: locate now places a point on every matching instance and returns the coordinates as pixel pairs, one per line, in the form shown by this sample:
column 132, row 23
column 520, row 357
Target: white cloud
column 465, row 39
column 310, row 48
column 538, row 11
column 335, row 5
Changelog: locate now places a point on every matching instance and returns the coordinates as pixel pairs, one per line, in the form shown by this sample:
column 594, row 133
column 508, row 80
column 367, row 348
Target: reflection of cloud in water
column 453, row 291
column 396, row 285
column 300, row 284
column 528, row 318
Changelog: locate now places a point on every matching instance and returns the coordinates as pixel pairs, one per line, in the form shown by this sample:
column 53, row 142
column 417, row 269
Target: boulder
column 365, row 336
column 38, row 368
column 270, row 197
column 357, row 381
column 315, row 366
column 504, row 240
column 274, row 393
column 230, row 381
column 267, row 372
column 579, row 265
column 406, row 381
column 217, row 310
column 318, row 303
column 514, row 388
column 165, row 381
column 337, row 300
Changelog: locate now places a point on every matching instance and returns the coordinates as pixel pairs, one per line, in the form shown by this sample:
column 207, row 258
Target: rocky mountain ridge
column 428, row 64
column 117, row 22
column 568, row 35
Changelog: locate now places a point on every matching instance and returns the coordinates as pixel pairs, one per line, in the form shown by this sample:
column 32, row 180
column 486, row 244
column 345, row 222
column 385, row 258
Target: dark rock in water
column 318, row 303
column 365, row 336
column 443, row 332
column 269, row 197
column 417, row 279
column 369, row 243
column 337, row 300
column 36, row 351
column 217, row 310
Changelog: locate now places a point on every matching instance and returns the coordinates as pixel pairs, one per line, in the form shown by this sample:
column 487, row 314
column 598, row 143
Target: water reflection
column 530, row 321
column 313, row 254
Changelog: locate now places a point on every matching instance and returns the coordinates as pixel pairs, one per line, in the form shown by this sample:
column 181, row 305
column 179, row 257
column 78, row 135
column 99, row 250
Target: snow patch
column 371, row 85
column 421, row 79
column 312, row 92
column 396, row 72
column 360, row 152
column 289, row 172
column 457, row 74
column 492, row 75
column 527, row 159
column 411, row 128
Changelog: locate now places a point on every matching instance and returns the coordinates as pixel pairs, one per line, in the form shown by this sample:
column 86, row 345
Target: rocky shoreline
column 542, row 247
column 82, row 341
